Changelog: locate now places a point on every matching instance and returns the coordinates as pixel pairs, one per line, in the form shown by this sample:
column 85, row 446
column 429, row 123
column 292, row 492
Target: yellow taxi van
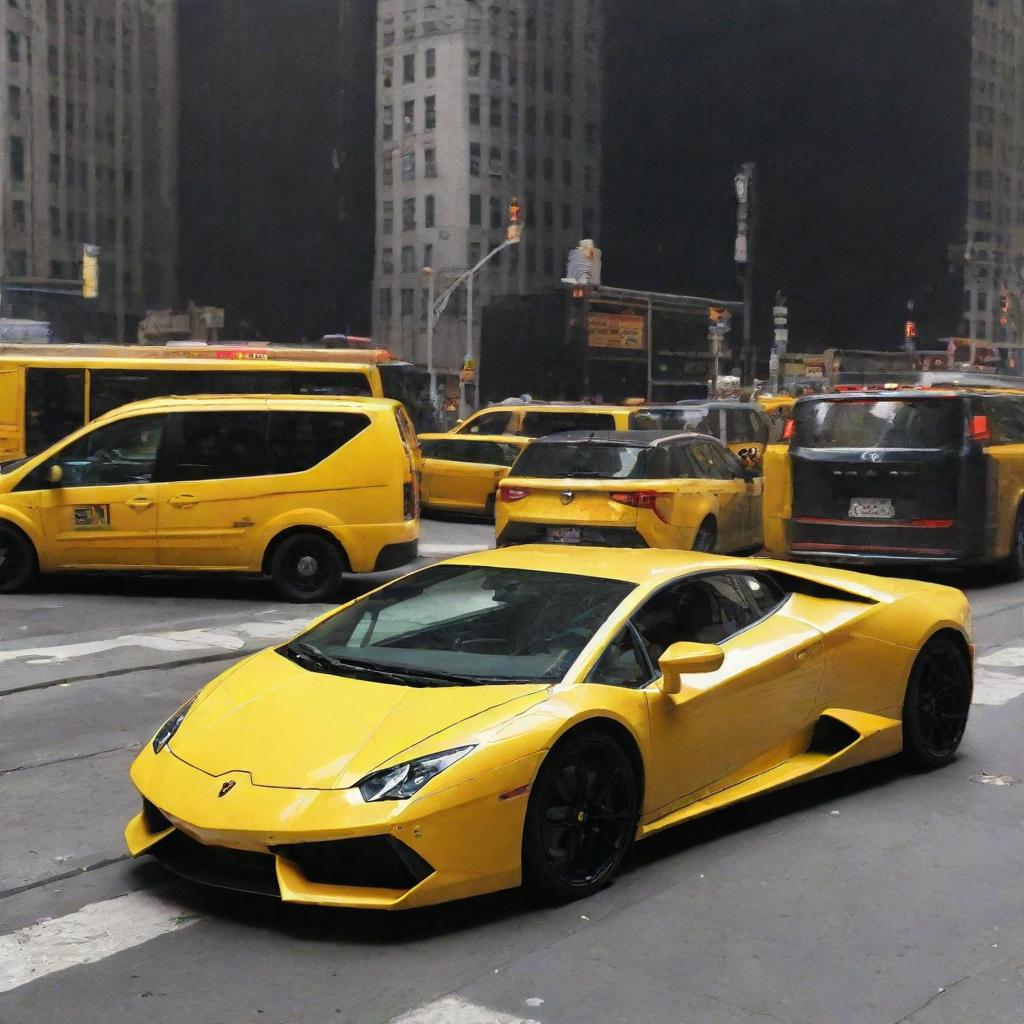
column 630, row 489
column 461, row 474
column 303, row 488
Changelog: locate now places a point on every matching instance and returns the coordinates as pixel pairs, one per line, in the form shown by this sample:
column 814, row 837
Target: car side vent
column 375, row 861
column 796, row 585
column 830, row 736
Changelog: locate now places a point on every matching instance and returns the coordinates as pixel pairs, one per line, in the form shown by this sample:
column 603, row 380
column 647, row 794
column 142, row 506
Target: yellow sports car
column 523, row 715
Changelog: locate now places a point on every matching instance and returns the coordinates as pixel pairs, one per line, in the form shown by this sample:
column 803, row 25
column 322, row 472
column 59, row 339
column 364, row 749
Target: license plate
column 872, row 508
column 564, row 534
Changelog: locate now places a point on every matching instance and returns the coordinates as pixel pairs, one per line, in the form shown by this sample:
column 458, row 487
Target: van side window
column 216, row 446
column 298, row 441
column 54, row 406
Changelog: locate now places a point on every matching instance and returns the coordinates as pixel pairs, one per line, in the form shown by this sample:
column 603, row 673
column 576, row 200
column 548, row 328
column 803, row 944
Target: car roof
column 627, row 437
column 222, row 403
column 584, row 407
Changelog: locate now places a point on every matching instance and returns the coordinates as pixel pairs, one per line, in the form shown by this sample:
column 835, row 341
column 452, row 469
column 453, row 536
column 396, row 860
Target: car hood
column 291, row 728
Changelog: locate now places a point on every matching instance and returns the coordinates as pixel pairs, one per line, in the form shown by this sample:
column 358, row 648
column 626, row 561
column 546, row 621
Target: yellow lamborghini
column 525, row 714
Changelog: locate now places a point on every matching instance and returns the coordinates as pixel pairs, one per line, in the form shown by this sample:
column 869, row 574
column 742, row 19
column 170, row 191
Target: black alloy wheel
column 307, row 567
column 581, row 817
column 17, row 561
column 707, row 536
column 936, row 704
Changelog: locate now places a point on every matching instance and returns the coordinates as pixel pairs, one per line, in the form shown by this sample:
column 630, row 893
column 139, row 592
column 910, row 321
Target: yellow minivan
column 630, row 489
column 302, row 488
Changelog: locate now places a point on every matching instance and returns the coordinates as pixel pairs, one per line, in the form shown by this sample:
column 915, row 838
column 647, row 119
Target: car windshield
column 459, row 625
column 590, row 459
column 886, row 423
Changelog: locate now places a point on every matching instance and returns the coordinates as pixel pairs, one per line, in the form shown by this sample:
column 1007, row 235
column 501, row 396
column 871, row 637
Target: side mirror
column 687, row 657
column 54, row 474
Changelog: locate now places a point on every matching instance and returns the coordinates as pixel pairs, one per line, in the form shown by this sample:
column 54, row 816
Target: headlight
column 170, row 727
column 405, row 780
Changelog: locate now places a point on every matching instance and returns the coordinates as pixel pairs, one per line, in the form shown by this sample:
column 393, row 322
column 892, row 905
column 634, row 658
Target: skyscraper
column 478, row 103
column 88, row 124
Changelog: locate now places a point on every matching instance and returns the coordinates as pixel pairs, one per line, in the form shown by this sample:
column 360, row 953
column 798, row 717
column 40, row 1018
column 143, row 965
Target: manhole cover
column 995, row 780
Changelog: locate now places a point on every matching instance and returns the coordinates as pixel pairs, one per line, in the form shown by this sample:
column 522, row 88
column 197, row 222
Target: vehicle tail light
column 789, row 429
column 978, row 429
column 641, row 499
column 512, row 493
column 410, row 501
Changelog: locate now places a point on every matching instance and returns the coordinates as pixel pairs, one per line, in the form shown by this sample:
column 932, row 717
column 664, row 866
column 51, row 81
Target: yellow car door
column 748, row 716
column 97, row 499
column 728, row 492
column 452, row 480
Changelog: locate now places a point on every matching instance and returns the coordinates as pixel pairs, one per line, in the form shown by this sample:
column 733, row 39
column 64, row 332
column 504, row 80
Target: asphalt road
column 877, row 896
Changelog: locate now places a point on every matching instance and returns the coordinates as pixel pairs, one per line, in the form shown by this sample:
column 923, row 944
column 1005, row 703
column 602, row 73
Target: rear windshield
column 591, row 459
column 885, row 423
column 537, row 424
column 685, row 418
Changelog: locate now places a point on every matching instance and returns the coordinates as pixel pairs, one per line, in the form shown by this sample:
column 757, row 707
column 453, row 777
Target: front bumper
column 328, row 847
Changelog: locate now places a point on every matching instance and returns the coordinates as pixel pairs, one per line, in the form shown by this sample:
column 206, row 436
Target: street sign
column 617, row 330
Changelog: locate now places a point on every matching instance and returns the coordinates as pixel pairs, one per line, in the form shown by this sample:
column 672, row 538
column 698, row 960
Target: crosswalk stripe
column 454, row 1010
column 96, row 931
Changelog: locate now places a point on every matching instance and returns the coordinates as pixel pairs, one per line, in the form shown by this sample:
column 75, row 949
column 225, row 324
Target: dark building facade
column 857, row 115
column 276, row 164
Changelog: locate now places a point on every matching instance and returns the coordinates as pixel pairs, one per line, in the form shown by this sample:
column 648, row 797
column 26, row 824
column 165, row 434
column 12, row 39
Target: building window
column 567, row 84
column 409, row 68
column 388, row 31
column 549, row 262
column 513, row 72
column 430, row 62
column 428, row 255
column 494, row 204
column 17, row 151
column 473, row 60
column 983, row 209
column 52, row 60
column 513, row 116
column 549, row 169
column 549, row 214
column 495, row 111
column 588, row 177
column 53, row 110
column 494, row 165
column 429, row 113
column 982, row 302
column 531, row 259
column 549, row 122
column 983, row 179
column 590, row 135
column 387, row 218
column 387, row 125
column 386, row 169
column 495, row 66
column 409, row 213
column 387, row 260
column 409, row 117
column 14, row 102
column 56, row 270
column 531, row 166
column 54, row 222
column 428, row 212
column 409, row 25
column 18, row 215
column 549, row 78
column 407, row 302
column 474, row 253
column 17, row 264
column 55, row 168
column 589, row 222
column 531, row 120
column 566, row 215
column 384, row 303
column 409, row 166
column 429, row 162
column 13, row 47
column 474, row 108
column 408, row 259
column 475, row 210
column 980, row 328
column 474, row 159
column 513, row 161
column 567, row 174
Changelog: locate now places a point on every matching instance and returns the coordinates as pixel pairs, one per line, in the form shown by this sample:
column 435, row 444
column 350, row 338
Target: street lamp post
column 429, row 273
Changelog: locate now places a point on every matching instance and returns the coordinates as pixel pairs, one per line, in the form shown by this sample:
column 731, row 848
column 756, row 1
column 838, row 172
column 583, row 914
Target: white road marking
column 96, row 931
column 454, row 1010
column 229, row 638
column 1005, row 657
column 995, row 688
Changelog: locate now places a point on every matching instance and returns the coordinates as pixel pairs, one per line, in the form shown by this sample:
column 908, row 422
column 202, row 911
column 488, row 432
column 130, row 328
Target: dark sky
column 855, row 113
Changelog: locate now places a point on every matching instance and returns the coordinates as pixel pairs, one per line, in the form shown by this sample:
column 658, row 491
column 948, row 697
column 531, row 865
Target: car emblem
column 226, row 788
column 567, row 497
column 871, row 456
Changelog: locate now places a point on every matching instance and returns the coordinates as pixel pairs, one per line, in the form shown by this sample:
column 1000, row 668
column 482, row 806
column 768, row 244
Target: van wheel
column 307, row 567
column 18, row 563
column 707, row 536
column 1014, row 564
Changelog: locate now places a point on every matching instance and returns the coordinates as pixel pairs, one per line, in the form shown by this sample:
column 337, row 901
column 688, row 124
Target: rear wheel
column 1014, row 564
column 18, row 563
column 936, row 704
column 581, row 816
column 707, row 536
column 307, row 567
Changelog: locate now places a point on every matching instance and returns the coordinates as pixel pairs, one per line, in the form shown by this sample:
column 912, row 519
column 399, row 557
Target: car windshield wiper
column 322, row 661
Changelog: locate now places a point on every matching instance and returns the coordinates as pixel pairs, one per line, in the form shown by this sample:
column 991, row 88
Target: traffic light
column 909, row 330
column 515, row 220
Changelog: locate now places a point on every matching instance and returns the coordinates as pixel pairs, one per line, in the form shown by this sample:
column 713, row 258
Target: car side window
column 721, row 467
column 763, row 593
column 706, row 610
column 509, row 454
column 538, row 424
column 622, row 664
column 1008, row 417
column 489, row 423
column 124, row 452
column 680, row 465
column 704, row 464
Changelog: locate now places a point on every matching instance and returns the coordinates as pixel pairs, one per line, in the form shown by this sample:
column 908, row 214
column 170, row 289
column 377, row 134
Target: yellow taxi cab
column 461, row 474
column 741, row 426
column 630, row 489
column 535, row 419
column 303, row 488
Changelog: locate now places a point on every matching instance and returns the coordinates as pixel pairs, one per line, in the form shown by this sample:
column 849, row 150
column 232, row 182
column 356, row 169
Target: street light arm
column 442, row 302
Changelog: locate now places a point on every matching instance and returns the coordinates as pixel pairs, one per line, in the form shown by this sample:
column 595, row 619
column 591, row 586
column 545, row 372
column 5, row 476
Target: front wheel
column 18, row 563
column 581, row 816
column 307, row 567
column 936, row 704
column 707, row 536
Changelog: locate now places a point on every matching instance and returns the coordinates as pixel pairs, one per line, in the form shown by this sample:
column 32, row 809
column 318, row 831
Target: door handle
column 139, row 504
column 183, row 500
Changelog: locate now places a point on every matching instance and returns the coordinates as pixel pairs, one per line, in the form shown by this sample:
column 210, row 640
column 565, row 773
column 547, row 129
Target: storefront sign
column 617, row 330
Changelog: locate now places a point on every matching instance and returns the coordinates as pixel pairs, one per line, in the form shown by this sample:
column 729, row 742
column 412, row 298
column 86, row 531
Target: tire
column 307, row 567
column 489, row 508
column 18, row 562
column 936, row 704
column 1013, row 566
column 707, row 536
column 581, row 817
